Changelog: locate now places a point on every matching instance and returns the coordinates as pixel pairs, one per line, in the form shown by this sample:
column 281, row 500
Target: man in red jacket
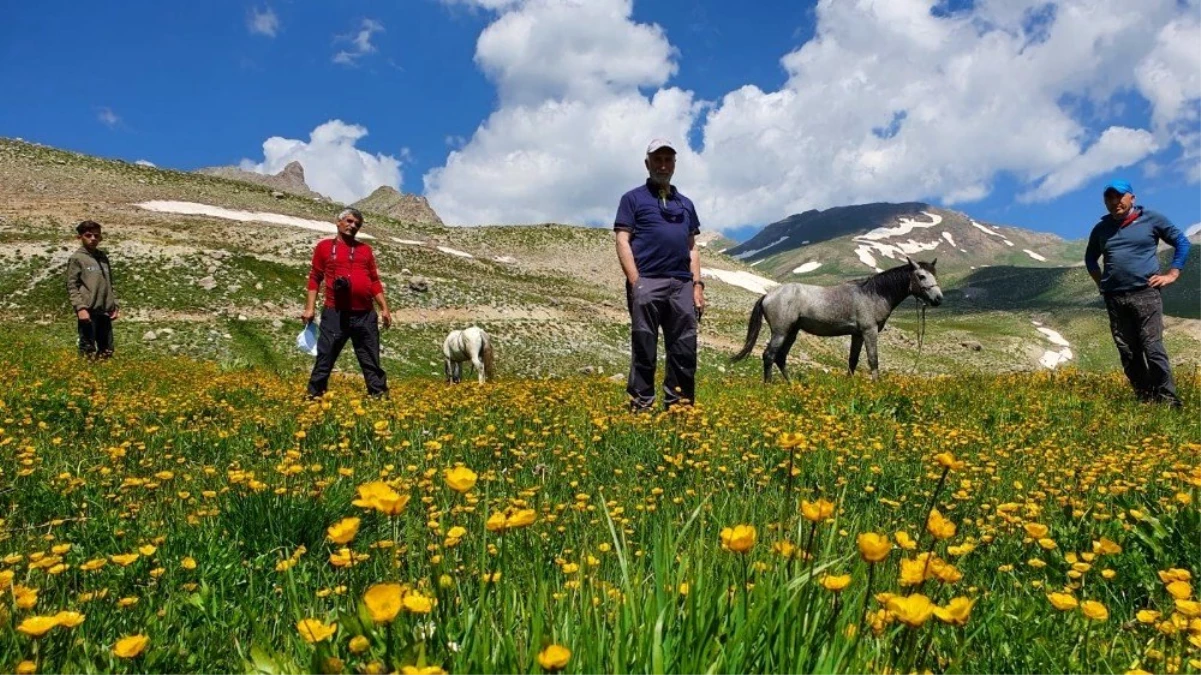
column 351, row 283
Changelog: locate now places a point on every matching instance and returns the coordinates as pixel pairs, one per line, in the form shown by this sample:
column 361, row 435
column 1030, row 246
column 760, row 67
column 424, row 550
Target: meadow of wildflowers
column 169, row 516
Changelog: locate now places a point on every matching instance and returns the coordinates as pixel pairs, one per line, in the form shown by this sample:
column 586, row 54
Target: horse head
column 923, row 282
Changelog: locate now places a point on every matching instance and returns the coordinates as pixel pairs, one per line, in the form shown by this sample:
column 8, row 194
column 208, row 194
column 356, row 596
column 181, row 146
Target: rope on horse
column 921, row 332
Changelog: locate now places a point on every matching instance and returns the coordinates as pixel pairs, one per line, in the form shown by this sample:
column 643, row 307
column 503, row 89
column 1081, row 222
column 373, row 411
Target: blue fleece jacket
column 1130, row 250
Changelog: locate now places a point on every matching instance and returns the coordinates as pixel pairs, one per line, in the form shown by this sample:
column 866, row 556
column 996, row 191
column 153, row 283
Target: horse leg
column 873, row 360
column 769, row 353
column 448, row 369
column 457, row 372
column 856, row 347
column 782, row 355
column 479, row 367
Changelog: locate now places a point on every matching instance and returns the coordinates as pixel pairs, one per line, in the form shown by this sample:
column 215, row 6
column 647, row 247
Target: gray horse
column 855, row 308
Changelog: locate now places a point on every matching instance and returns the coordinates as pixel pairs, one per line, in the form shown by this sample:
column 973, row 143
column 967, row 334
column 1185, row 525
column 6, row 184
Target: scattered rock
column 972, row 345
column 208, row 283
column 277, row 324
column 419, row 285
column 588, row 370
column 149, row 336
column 258, row 286
column 617, row 377
column 242, row 317
column 405, row 271
column 277, row 194
column 166, row 331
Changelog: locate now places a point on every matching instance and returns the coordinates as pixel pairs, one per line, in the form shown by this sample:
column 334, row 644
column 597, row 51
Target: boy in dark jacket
column 90, row 289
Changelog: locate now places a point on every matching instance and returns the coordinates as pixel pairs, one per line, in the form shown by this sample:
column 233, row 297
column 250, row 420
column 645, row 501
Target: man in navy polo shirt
column 656, row 245
column 1128, row 238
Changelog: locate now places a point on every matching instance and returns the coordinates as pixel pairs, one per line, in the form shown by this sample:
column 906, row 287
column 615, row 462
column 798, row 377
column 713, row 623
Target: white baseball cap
column 658, row 144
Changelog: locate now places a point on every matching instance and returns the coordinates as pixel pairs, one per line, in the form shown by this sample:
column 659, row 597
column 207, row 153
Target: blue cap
column 1122, row 187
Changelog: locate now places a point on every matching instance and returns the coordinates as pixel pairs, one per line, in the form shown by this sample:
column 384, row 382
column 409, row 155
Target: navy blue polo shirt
column 1130, row 250
column 659, row 226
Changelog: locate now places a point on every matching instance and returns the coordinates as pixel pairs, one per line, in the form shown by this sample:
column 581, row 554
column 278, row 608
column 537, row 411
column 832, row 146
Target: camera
column 341, row 284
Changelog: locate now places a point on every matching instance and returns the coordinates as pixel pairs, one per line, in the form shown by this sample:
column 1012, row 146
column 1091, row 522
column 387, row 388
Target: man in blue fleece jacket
column 1128, row 238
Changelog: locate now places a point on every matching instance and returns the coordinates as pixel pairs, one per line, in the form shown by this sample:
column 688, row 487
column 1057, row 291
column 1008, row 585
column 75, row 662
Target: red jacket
column 356, row 262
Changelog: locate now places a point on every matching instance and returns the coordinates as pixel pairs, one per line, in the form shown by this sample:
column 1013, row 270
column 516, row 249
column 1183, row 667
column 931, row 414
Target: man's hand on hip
column 1161, row 280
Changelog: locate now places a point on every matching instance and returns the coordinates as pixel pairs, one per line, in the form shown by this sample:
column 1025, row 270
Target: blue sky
column 533, row 110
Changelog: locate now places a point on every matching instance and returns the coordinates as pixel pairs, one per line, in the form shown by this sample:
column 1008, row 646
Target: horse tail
column 752, row 330
column 486, row 355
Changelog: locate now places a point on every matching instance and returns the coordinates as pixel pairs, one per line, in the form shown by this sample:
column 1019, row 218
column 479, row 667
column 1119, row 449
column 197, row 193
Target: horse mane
column 890, row 282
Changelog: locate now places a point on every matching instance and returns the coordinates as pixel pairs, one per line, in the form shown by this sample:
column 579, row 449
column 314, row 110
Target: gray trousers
column 1136, row 322
column 661, row 303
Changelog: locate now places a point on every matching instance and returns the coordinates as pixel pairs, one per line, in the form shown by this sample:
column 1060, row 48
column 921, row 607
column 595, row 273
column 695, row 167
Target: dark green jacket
column 90, row 281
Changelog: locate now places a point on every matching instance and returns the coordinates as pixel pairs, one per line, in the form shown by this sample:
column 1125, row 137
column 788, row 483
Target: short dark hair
column 87, row 226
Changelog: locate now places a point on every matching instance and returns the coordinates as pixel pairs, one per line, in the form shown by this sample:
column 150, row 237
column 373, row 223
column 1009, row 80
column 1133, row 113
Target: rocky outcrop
column 399, row 206
column 290, row 180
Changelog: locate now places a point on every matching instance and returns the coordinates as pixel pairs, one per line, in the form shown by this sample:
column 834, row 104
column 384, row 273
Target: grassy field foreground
column 170, row 516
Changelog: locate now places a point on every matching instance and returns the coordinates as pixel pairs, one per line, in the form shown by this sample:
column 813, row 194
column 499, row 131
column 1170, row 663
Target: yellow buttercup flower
column 425, row 670
column 956, row 611
column 69, row 619
column 948, row 461
column 1180, row 590
column 343, row 531
column 131, row 646
column 1036, row 530
column 124, row 559
column 554, row 658
column 359, row 644
column 315, row 630
column 27, row 667
column 380, row 496
column 1189, row 608
column 383, row 601
column 912, row 610
column 836, row 583
column 873, row 547
column 1147, row 616
column 37, row 626
column 739, row 539
column 418, row 603
column 818, row 511
column 904, row 540
column 1094, row 610
column 188, row 563
column 1062, row 601
column 460, row 479
column 939, row 526
column 1106, row 547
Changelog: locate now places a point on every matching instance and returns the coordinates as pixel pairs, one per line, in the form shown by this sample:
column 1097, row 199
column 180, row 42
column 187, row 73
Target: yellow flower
column 495, row 522
column 131, row 646
column 818, row 511
column 784, row 548
column 1048, row 544
column 956, row 612
column 188, row 563
column 1036, row 530
column 1189, row 608
column 37, row 626
column 948, row 461
column 912, row 610
column 939, row 526
column 554, row 658
column 380, row 496
column 427, row 670
column 359, row 644
column 26, row 597
column 914, row 572
column 125, row 559
column 1180, row 590
column 147, row 550
column 837, row 583
column 69, row 619
column 27, row 667
column 739, row 539
column 1106, row 547
column 904, row 540
column 521, row 518
column 1062, row 601
column 1094, row 610
column 418, row 603
column 873, row 547
column 1174, row 574
column 343, row 531
column 1147, row 616
column 460, row 479
column 315, row 630
column 384, row 601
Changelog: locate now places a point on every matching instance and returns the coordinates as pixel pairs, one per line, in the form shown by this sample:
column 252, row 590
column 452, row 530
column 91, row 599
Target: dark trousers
column 96, row 335
column 362, row 329
column 661, row 303
column 1136, row 322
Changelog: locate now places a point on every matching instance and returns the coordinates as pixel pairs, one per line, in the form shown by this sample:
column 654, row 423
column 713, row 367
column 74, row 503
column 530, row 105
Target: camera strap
column 333, row 255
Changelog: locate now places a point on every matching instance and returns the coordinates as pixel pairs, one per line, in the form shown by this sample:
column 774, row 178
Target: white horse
column 470, row 344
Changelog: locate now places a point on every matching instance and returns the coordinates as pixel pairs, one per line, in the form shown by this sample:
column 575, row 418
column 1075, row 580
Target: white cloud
column 332, row 164
column 360, row 43
column 145, row 162
column 886, row 102
column 1117, row 147
column 263, row 22
column 1195, row 228
column 107, row 117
